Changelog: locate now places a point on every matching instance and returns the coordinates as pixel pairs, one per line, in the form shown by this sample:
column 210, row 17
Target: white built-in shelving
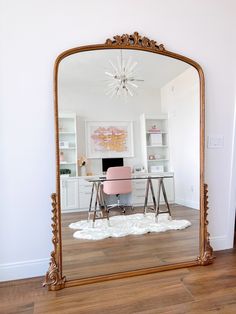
column 68, row 143
column 155, row 150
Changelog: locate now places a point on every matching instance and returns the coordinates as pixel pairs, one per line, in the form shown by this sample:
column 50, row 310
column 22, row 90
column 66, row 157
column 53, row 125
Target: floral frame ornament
column 108, row 139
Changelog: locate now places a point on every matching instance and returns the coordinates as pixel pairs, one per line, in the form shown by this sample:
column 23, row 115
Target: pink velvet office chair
column 117, row 187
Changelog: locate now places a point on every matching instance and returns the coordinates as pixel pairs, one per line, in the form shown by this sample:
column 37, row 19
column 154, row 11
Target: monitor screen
column 111, row 162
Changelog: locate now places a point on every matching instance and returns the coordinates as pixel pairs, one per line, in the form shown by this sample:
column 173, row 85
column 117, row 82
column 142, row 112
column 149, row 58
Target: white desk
column 76, row 191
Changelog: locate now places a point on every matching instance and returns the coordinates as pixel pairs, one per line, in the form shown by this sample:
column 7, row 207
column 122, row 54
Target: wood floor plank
column 195, row 290
column 84, row 258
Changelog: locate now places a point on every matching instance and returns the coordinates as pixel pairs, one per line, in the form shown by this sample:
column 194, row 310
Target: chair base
column 122, row 207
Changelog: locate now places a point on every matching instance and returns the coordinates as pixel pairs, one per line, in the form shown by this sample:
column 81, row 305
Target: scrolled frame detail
column 134, row 40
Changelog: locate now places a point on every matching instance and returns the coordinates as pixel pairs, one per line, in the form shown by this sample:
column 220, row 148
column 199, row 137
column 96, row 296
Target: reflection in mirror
column 138, row 111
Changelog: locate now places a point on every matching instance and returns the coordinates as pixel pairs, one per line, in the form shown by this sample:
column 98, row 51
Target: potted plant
column 65, row 172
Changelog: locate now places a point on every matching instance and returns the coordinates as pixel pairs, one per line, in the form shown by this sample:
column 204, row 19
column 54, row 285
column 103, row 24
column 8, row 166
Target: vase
column 83, row 171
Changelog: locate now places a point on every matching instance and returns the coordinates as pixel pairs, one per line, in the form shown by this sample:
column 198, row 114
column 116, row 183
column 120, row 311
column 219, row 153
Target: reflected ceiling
column 155, row 70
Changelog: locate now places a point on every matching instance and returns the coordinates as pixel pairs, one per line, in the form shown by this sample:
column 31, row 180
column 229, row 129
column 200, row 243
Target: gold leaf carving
column 53, row 278
column 134, row 40
column 125, row 39
column 145, row 42
column 136, row 37
column 118, row 39
column 207, row 257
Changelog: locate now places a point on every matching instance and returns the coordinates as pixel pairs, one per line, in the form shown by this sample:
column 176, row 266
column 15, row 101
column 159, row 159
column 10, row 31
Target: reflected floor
column 85, row 258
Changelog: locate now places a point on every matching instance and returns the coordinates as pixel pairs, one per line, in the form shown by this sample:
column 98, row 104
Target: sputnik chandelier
column 122, row 79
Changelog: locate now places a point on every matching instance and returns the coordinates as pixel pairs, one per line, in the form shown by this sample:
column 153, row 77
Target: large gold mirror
column 130, row 196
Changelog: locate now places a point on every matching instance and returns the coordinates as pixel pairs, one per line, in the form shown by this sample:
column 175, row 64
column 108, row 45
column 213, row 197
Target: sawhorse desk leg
column 99, row 201
column 156, row 204
column 161, row 187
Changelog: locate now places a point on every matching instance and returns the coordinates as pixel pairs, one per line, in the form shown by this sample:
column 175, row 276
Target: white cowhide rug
column 123, row 225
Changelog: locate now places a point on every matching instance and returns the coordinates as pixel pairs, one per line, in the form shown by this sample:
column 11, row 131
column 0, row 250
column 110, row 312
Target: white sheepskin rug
column 123, row 225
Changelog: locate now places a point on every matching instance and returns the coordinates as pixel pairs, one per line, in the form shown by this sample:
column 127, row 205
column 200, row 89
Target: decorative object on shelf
column 64, row 144
column 82, row 163
column 138, row 168
column 122, row 77
column 109, row 139
column 151, row 157
column 89, row 174
column 157, row 168
column 154, row 129
column 60, row 126
column 62, row 157
column 155, row 139
column 65, row 172
column 83, row 171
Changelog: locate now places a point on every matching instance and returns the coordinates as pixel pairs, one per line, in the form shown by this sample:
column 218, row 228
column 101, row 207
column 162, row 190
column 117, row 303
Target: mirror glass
column 136, row 109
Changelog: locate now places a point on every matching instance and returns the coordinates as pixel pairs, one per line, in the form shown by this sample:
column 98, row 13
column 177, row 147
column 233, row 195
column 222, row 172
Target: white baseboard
column 187, row 203
column 220, row 243
column 26, row 269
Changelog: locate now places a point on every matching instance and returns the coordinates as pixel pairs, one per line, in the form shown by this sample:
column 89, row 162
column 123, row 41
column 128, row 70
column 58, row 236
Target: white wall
column 180, row 100
column 33, row 33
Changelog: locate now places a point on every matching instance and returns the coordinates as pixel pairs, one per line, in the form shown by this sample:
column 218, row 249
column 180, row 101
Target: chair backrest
column 120, row 186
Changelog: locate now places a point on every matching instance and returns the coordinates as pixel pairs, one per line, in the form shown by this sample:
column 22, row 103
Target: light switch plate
column 215, row 141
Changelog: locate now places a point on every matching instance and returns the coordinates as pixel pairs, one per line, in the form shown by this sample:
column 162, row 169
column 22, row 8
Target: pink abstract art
column 110, row 139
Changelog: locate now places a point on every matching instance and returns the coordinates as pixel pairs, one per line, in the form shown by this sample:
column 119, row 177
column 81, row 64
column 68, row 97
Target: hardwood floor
column 201, row 289
column 83, row 258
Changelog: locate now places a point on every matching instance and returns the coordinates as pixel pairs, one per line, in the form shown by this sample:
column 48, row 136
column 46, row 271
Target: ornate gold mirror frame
column 54, row 278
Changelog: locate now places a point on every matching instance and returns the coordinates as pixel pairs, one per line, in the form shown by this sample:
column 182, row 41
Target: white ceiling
column 88, row 68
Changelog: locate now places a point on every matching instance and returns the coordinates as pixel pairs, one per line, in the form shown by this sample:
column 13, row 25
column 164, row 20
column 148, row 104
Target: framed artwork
column 107, row 139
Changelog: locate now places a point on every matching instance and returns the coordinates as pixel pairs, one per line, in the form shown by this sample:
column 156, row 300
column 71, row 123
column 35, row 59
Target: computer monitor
column 111, row 162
